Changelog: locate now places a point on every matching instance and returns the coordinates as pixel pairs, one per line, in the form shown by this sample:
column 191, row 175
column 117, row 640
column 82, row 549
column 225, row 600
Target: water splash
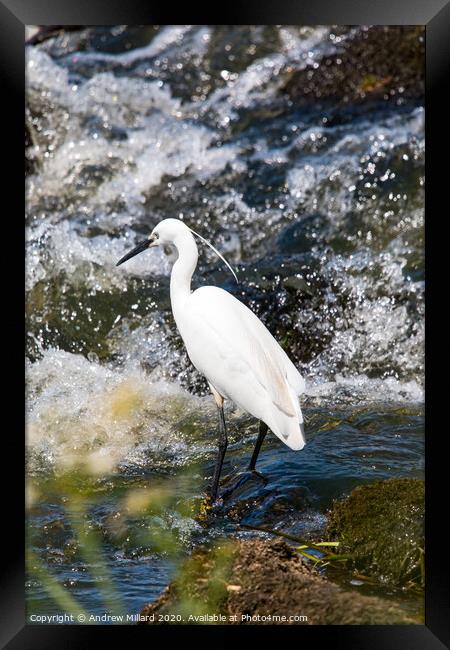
column 123, row 140
column 80, row 410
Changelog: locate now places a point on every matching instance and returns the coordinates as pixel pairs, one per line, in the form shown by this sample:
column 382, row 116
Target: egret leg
column 223, row 442
column 251, row 472
column 261, row 435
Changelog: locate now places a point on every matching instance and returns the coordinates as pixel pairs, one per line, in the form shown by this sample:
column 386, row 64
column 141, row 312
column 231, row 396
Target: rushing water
column 323, row 219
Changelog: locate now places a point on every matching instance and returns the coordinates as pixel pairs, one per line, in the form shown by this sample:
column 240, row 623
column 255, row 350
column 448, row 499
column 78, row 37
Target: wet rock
column 30, row 163
column 303, row 234
column 375, row 63
column 44, row 32
column 381, row 526
column 264, row 579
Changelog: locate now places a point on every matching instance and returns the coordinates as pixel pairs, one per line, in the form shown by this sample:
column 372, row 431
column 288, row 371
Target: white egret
column 231, row 347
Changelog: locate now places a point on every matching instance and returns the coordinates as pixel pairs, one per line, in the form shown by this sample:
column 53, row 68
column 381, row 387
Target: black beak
column 142, row 246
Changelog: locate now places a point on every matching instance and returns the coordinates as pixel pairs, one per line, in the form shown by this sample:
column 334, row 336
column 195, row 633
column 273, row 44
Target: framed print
column 224, row 330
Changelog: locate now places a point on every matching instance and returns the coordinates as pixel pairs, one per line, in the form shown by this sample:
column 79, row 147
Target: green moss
column 381, row 526
column 265, row 579
column 200, row 588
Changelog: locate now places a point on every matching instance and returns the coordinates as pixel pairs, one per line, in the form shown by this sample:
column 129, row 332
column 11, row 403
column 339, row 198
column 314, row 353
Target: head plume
column 205, row 241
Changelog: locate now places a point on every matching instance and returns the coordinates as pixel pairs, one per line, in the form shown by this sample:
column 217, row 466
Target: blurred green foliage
column 144, row 518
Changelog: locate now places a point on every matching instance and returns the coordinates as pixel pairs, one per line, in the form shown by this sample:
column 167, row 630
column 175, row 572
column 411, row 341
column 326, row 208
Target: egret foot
column 257, row 474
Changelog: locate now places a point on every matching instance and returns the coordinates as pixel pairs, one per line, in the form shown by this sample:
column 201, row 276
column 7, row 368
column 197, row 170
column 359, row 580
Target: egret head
column 170, row 231
column 166, row 232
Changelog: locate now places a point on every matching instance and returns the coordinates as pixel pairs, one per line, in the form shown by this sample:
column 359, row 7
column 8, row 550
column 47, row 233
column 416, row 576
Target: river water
column 321, row 216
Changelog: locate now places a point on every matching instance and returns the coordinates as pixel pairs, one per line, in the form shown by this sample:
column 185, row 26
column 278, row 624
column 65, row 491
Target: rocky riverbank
column 267, row 581
column 381, row 526
column 264, row 581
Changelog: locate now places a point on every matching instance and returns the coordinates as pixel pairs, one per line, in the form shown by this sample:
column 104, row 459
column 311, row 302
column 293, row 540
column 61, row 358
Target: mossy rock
column 200, row 587
column 259, row 581
column 381, row 526
column 376, row 63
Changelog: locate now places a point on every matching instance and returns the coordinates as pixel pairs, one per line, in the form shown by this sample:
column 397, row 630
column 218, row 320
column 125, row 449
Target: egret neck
column 182, row 271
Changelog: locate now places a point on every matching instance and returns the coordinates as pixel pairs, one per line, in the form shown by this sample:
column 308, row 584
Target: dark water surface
column 321, row 215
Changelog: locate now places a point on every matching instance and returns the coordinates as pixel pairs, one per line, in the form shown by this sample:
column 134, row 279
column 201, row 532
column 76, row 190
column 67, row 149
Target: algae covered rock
column 257, row 581
column 381, row 526
column 199, row 592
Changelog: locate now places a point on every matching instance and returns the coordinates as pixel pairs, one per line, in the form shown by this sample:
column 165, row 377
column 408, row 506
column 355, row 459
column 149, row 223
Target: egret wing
column 246, row 343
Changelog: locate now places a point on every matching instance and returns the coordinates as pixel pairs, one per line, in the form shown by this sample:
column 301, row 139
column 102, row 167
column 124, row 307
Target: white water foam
column 360, row 389
column 80, row 411
column 157, row 141
column 104, row 418
column 252, row 85
column 169, row 41
column 137, row 133
column 89, row 262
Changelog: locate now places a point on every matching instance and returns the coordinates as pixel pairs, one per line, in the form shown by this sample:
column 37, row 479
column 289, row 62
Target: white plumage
column 232, row 348
column 228, row 343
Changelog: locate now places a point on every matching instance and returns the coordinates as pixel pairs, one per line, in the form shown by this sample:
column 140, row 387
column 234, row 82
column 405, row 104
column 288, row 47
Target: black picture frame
column 14, row 15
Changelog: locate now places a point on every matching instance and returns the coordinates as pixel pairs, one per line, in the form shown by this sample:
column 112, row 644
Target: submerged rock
column 253, row 581
column 381, row 526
